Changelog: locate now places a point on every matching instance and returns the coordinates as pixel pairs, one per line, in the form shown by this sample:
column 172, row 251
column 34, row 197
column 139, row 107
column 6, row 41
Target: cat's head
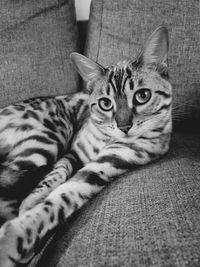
column 131, row 98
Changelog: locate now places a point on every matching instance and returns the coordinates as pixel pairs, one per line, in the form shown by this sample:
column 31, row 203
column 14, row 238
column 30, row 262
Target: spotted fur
column 92, row 138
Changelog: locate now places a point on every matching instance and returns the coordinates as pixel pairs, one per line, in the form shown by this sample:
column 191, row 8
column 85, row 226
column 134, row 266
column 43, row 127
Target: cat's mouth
column 116, row 131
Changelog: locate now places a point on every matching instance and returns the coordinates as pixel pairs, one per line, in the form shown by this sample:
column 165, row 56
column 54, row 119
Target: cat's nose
column 125, row 128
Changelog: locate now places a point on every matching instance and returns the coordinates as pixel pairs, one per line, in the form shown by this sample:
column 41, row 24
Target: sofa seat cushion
column 36, row 38
column 149, row 217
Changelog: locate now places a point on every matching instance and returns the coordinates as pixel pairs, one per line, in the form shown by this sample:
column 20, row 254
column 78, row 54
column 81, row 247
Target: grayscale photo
column 99, row 133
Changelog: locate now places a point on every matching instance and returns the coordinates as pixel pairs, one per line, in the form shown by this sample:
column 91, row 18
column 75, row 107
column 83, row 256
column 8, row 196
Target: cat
column 123, row 121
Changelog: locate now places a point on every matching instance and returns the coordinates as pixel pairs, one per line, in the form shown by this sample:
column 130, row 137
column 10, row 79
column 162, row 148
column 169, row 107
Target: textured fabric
column 36, row 38
column 147, row 218
column 117, row 29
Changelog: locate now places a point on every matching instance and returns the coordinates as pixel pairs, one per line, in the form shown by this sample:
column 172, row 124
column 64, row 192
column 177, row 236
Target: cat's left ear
column 156, row 48
column 87, row 68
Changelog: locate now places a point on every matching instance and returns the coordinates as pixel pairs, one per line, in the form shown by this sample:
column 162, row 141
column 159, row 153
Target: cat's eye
column 105, row 104
column 142, row 96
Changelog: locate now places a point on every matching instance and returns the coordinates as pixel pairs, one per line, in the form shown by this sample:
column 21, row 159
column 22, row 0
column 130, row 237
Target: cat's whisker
column 178, row 105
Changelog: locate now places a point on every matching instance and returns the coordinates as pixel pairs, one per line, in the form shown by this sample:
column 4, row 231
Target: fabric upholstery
column 117, row 30
column 150, row 217
column 36, row 38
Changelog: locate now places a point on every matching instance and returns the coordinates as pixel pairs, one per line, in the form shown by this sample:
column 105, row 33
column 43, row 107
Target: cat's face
column 129, row 102
column 132, row 98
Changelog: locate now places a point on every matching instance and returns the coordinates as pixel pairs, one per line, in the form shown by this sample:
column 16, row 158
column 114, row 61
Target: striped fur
column 91, row 138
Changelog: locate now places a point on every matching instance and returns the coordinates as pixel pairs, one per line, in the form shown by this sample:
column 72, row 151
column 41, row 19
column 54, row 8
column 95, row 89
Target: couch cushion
column 117, row 29
column 150, row 217
column 36, row 38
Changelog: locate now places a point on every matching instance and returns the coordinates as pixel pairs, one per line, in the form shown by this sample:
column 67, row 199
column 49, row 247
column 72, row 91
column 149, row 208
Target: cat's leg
column 8, row 209
column 25, row 166
column 20, row 237
column 61, row 172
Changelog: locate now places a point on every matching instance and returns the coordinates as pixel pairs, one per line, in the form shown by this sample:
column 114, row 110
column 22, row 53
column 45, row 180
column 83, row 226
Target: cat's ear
column 87, row 68
column 156, row 48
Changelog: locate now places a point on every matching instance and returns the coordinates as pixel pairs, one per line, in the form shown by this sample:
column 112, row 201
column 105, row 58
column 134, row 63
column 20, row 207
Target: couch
column 149, row 217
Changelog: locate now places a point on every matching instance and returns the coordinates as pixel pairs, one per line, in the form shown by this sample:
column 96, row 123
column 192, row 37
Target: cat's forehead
column 124, row 70
column 120, row 68
column 119, row 65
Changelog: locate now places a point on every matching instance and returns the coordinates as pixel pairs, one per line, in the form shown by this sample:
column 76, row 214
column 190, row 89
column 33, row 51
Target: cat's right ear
column 87, row 68
column 157, row 46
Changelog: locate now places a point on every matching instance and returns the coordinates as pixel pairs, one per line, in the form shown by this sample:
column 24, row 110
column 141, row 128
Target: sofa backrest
column 117, row 29
column 36, row 38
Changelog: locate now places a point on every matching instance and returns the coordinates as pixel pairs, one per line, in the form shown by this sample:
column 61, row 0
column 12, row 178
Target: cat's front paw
column 12, row 250
column 5, row 260
column 8, row 255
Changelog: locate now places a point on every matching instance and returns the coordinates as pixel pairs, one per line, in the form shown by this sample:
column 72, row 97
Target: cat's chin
column 121, row 135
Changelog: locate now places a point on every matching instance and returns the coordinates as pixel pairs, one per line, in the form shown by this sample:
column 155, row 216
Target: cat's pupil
column 105, row 104
column 143, row 94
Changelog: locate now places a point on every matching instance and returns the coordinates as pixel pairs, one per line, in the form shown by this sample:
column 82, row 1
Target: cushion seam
column 100, row 31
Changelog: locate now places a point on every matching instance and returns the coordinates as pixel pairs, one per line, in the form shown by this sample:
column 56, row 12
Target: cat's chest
column 89, row 142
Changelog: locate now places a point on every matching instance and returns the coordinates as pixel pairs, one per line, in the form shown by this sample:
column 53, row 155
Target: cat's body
column 124, row 121
column 34, row 135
